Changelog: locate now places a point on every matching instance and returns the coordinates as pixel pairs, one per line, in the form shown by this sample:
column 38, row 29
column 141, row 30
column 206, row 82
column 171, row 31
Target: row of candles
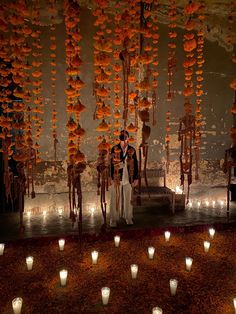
column 206, row 203
column 105, row 291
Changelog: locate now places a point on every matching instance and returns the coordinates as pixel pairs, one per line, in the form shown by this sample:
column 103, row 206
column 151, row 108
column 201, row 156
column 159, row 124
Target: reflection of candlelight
column 60, row 211
column 206, row 246
column 17, row 305
column 2, row 246
column 173, row 286
column 167, row 236
column 190, row 204
column 44, row 213
column 151, row 251
column 134, row 271
column 92, row 210
column 94, row 255
column 188, row 262
column 117, row 240
column 235, row 305
column 61, row 243
column 29, row 262
column 63, row 276
column 105, row 295
column 212, row 232
column 157, row 310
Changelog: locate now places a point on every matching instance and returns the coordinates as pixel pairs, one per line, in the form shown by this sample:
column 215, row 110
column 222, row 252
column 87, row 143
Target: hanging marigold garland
column 53, row 48
column 76, row 162
column 199, row 85
column 187, row 123
column 171, row 67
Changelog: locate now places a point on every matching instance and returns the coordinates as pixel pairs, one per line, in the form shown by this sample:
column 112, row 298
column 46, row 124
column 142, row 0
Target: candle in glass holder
column 173, row 286
column 188, row 261
column 94, row 255
column 29, row 262
column 212, row 232
column 235, row 305
column 17, row 305
column 206, row 246
column 2, row 246
column 151, row 251
column 63, row 277
column 105, row 295
column 157, row 310
column 134, row 271
column 117, row 240
column 167, row 236
column 61, row 243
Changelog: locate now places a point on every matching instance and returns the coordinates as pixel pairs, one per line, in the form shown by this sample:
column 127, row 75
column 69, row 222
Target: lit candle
column 105, row 295
column 29, row 213
column 134, row 271
column 44, row 213
column 157, row 310
column 198, row 204
column 207, row 203
column 235, row 305
column 117, row 241
column 61, row 243
column 213, row 203
column 2, row 246
column 17, row 305
column 167, row 236
column 63, row 276
column 151, row 251
column 190, row 204
column 173, row 286
column 92, row 210
column 222, row 203
column 94, row 255
column 206, row 246
column 60, row 211
column 212, row 232
column 29, row 262
column 188, row 261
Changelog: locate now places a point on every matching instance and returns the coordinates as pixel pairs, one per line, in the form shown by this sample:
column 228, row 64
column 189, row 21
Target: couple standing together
column 128, row 178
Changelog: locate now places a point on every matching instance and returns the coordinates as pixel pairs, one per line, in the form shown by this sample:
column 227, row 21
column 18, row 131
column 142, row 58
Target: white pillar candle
column 17, row 305
column 105, row 295
column 29, row 262
column 206, row 246
column 134, row 271
column 151, row 251
column 157, row 310
column 61, row 243
column 167, row 236
column 63, row 276
column 212, row 232
column 235, row 305
column 173, row 286
column 2, row 246
column 117, row 241
column 94, row 255
column 188, row 261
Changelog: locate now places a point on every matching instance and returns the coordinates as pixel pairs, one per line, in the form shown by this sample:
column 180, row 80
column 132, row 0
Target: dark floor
column 54, row 224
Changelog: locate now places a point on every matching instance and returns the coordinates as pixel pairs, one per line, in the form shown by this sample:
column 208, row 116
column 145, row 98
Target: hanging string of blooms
column 76, row 162
column 53, row 48
column 171, row 68
column 37, row 110
column 199, row 85
column 187, row 123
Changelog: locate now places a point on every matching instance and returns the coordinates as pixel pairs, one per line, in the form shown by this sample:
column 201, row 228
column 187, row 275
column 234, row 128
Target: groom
column 127, row 178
